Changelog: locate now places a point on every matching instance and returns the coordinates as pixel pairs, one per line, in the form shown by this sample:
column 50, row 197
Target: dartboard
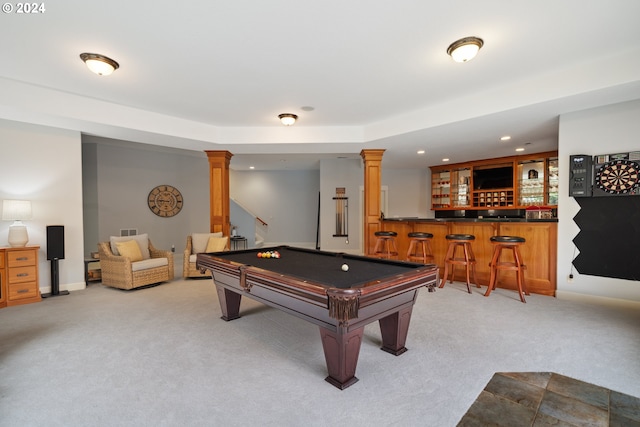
column 618, row 177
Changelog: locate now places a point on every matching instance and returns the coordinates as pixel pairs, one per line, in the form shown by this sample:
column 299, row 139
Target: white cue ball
column 345, row 267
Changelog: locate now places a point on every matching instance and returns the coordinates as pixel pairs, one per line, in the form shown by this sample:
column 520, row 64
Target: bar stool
column 511, row 243
column 462, row 241
column 385, row 244
column 420, row 247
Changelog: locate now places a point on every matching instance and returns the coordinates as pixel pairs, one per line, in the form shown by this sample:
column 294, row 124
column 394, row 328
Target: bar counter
column 539, row 251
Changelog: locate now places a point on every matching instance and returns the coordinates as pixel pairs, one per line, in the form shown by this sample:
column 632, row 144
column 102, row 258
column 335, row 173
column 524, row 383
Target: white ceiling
column 214, row 75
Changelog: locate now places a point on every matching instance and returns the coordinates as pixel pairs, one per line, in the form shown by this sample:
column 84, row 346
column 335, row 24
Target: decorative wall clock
column 618, row 177
column 165, row 201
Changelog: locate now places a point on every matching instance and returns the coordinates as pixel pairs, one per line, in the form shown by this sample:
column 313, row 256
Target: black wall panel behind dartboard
column 609, row 237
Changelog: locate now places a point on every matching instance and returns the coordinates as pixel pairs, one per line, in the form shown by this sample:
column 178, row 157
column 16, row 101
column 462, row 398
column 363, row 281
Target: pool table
column 312, row 285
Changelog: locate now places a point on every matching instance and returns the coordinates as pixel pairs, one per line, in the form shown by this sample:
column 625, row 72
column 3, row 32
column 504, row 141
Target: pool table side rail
column 343, row 304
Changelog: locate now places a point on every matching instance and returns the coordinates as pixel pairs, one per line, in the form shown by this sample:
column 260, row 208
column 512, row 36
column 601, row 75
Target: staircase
column 248, row 224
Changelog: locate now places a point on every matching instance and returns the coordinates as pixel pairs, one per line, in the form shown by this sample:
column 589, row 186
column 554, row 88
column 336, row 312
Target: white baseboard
column 594, row 299
column 78, row 286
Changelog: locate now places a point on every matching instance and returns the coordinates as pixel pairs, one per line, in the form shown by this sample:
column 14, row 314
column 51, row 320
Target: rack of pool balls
column 269, row 254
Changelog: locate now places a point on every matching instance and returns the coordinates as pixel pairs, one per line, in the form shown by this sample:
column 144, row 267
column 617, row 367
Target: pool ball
column 345, row 267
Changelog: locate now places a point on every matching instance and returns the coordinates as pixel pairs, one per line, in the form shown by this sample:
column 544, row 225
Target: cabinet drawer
column 1, row 260
column 19, row 291
column 21, row 258
column 22, row 274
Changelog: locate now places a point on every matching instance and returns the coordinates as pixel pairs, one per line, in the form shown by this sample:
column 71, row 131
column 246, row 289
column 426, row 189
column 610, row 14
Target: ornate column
column 219, row 191
column 372, row 189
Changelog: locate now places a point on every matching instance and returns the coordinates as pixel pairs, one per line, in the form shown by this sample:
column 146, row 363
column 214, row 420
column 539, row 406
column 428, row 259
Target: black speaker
column 55, row 242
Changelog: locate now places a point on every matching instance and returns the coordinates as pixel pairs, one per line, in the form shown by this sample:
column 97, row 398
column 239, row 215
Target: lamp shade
column 16, row 210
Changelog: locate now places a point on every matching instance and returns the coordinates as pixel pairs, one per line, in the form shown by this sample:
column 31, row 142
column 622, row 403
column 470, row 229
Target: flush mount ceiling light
column 99, row 64
column 287, row 119
column 465, row 49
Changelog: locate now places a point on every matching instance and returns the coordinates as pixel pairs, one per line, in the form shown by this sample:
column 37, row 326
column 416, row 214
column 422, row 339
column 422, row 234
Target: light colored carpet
column 163, row 357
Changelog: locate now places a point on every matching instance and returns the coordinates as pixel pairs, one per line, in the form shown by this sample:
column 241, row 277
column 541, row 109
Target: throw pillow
column 142, row 239
column 216, row 244
column 199, row 241
column 130, row 249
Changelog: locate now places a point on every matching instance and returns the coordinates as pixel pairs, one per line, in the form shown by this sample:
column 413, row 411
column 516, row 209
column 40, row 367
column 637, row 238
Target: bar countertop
column 492, row 219
column 539, row 251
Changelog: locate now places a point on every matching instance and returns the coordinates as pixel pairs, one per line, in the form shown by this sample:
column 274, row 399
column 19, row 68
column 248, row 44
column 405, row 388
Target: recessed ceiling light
column 445, row 159
column 252, row 167
column 519, row 149
column 307, row 108
column 420, row 151
column 505, row 138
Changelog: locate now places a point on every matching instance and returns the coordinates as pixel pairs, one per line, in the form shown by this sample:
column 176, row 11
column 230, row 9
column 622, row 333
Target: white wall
column 603, row 130
column 43, row 165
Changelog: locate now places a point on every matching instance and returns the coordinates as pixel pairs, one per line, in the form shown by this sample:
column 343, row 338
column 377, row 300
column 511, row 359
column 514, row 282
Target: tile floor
column 548, row 399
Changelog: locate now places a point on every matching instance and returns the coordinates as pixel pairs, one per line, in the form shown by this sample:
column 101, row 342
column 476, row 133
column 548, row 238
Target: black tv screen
column 493, row 178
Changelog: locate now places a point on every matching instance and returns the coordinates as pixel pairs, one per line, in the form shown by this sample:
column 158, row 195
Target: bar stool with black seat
column 468, row 259
column 420, row 247
column 511, row 243
column 385, row 244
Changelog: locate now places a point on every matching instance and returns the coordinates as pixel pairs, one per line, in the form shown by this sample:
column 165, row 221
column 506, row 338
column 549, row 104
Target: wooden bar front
column 539, row 251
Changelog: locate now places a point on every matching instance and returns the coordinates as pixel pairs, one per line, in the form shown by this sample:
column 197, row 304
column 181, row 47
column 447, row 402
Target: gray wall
column 118, row 175
column 125, row 173
column 244, row 221
column 90, row 200
column 286, row 200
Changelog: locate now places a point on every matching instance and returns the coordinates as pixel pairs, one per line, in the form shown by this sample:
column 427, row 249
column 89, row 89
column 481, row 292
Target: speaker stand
column 55, row 281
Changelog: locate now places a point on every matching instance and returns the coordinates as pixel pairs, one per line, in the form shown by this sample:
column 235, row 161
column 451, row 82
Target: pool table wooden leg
column 341, row 350
column 394, row 329
column 229, row 303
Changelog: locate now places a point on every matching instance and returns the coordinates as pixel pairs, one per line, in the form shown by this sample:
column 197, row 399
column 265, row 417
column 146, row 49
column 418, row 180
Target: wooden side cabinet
column 3, row 282
column 19, row 276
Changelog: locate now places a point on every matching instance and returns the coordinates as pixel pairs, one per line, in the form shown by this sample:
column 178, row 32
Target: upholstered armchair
column 131, row 262
column 198, row 243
